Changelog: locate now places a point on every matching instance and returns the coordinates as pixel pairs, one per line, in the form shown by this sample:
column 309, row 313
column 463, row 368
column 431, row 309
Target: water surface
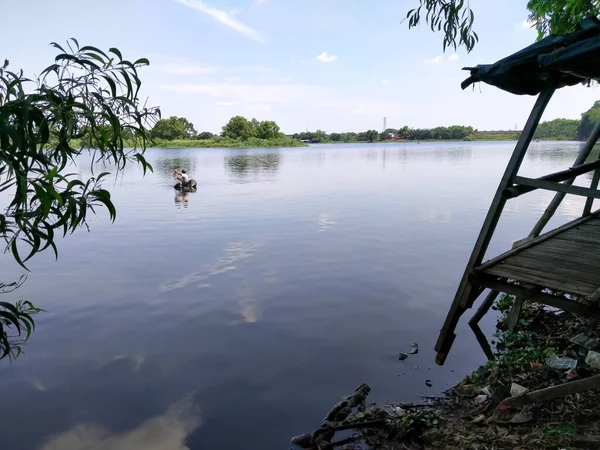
column 236, row 316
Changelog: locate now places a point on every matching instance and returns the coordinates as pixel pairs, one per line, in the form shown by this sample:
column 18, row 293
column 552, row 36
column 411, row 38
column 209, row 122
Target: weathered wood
column 589, row 272
column 515, row 313
column 484, row 307
column 483, row 342
column 543, row 280
column 584, row 153
column 473, row 323
column 540, row 297
column 543, row 395
column 538, row 183
column 539, row 239
column 557, row 177
column 593, row 185
column 464, row 296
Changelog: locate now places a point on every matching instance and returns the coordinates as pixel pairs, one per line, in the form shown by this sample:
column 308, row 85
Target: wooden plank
column 484, row 307
column 554, row 272
column 545, row 263
column 464, row 295
column 525, row 184
column 543, row 280
column 544, row 237
column 549, row 393
column 551, row 280
column 540, row 297
column 538, row 183
column 574, row 258
column 582, row 156
column 593, row 185
column 515, row 312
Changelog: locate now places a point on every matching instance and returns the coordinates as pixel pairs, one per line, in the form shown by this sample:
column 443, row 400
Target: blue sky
column 337, row 65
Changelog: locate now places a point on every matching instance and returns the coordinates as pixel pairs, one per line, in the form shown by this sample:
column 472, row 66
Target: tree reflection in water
column 242, row 166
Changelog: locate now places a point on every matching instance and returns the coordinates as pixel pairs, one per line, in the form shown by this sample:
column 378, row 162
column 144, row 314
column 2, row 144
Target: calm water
column 237, row 316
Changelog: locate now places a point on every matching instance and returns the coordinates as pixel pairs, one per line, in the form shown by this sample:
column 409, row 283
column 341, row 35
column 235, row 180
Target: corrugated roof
column 555, row 61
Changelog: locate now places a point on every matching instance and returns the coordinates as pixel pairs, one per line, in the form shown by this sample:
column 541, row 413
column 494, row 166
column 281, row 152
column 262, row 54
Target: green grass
column 220, row 142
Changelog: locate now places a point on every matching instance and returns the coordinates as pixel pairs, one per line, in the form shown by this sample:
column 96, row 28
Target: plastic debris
column 487, row 391
column 482, row 399
column 571, row 374
column 414, row 348
column 563, row 363
column 535, row 365
column 593, row 359
column 517, row 389
column 428, row 383
column 587, row 342
column 402, row 356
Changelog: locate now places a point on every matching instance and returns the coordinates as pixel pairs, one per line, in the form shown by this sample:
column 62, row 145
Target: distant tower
column 384, row 123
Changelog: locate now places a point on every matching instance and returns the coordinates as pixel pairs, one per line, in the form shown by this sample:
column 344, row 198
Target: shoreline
column 498, row 405
column 243, row 145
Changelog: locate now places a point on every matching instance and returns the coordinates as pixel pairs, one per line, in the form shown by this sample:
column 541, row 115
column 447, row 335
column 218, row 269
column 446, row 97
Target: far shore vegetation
column 239, row 132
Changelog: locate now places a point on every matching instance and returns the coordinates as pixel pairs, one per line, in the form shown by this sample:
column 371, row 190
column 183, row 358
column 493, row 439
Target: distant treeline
column 179, row 132
column 454, row 132
column 558, row 129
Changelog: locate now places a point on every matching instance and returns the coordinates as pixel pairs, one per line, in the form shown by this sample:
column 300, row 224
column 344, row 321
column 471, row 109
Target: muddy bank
column 540, row 391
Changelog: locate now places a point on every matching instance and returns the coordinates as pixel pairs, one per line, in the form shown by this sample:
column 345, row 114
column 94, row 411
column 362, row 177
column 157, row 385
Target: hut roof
column 552, row 62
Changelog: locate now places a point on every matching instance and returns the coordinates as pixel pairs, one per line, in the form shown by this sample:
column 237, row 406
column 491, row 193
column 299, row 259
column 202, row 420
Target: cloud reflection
column 234, row 253
column 168, row 431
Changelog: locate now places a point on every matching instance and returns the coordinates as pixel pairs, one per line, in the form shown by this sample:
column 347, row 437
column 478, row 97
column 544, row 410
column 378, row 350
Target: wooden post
column 464, row 295
column 558, row 198
column 515, row 312
column 473, row 323
column 590, row 200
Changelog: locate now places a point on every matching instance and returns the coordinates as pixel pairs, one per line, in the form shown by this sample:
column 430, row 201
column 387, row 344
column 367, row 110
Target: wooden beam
column 537, row 240
column 464, row 298
column 593, row 185
column 539, row 297
column 484, row 307
column 538, row 183
column 473, row 323
column 526, row 184
column 483, row 342
column 584, row 152
column 550, row 393
column 515, row 313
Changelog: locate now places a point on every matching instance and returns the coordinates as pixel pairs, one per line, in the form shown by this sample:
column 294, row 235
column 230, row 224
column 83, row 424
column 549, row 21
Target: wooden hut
column 561, row 267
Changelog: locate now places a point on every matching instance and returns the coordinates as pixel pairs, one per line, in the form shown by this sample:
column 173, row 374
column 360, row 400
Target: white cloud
column 250, row 94
column 261, row 2
column 436, row 60
column 441, row 58
column 526, row 24
column 223, row 17
column 184, row 68
column 326, row 57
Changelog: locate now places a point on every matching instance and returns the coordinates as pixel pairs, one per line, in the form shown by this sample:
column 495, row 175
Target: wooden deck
column 566, row 260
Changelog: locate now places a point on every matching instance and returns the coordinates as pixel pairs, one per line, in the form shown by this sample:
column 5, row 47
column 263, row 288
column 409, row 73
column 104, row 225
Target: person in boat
column 183, row 177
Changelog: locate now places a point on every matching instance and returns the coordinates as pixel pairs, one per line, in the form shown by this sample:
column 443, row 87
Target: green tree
column 238, row 127
column 173, row 128
column 267, row 129
column 588, row 120
column 86, row 93
column 205, row 135
column 558, row 129
column 456, row 18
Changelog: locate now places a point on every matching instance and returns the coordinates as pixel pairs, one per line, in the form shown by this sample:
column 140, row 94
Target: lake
column 237, row 316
